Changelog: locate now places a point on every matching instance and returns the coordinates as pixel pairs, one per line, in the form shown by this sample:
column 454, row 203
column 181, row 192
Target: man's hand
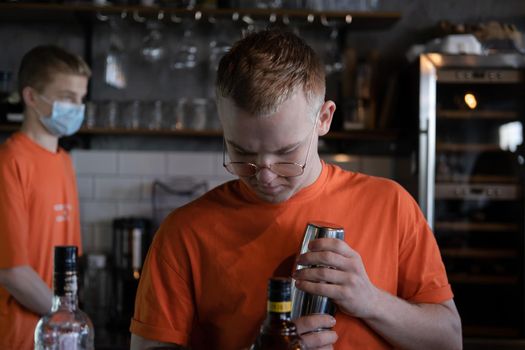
column 343, row 279
column 308, row 328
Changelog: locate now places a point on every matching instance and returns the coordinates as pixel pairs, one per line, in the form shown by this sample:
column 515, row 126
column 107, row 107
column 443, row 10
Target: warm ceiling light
column 470, row 101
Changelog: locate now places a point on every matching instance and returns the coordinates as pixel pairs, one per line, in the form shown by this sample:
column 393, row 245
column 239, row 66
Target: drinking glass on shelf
column 212, row 117
column 175, row 116
column 190, row 114
column 153, row 115
column 90, row 119
column 108, row 114
column 131, row 115
column 196, row 114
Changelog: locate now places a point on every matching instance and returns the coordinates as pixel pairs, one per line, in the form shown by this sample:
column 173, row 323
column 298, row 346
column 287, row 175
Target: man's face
column 64, row 87
column 281, row 137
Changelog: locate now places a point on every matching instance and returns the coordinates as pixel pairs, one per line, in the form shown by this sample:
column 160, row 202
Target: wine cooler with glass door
column 470, row 186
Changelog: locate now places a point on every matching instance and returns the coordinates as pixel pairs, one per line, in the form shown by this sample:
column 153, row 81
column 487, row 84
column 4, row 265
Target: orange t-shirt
column 38, row 210
column 204, row 280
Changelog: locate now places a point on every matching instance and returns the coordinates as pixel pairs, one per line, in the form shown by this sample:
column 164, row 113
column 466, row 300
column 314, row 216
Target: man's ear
column 325, row 117
column 29, row 96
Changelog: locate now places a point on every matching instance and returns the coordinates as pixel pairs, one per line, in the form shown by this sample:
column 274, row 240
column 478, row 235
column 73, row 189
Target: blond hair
column 264, row 69
column 41, row 63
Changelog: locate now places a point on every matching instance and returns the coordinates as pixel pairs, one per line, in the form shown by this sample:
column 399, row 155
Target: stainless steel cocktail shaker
column 305, row 303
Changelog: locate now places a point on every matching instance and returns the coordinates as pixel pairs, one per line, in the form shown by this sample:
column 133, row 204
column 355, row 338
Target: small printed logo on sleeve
column 63, row 212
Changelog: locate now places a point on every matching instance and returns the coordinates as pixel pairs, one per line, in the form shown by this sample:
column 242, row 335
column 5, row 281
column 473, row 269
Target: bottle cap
column 279, row 289
column 65, row 258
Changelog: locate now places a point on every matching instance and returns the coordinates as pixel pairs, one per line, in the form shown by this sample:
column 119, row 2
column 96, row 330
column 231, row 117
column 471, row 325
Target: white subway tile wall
column 85, row 186
column 192, row 163
column 119, row 183
column 95, row 162
column 142, row 163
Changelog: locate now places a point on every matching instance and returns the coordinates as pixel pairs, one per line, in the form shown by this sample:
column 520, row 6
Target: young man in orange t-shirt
column 203, row 283
column 38, row 194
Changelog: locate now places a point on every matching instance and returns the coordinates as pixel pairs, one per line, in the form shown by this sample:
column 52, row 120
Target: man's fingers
column 312, row 323
column 325, row 258
column 321, row 274
column 332, row 244
column 319, row 340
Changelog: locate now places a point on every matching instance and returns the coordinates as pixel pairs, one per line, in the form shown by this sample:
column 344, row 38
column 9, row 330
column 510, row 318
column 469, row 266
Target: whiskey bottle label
column 279, row 306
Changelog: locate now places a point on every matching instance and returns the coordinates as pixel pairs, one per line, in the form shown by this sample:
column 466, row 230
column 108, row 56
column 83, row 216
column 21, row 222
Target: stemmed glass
column 332, row 51
column 223, row 33
column 153, row 49
column 186, row 53
column 115, row 65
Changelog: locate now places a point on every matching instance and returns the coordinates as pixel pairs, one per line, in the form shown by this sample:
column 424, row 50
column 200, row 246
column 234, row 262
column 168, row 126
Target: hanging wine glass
column 153, row 49
column 332, row 51
column 186, row 53
column 223, row 33
column 116, row 56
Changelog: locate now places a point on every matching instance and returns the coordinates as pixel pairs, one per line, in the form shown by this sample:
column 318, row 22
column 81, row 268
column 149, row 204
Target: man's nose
column 265, row 175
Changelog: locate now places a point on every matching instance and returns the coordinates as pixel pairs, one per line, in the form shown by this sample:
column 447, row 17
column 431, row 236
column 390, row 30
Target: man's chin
column 273, row 198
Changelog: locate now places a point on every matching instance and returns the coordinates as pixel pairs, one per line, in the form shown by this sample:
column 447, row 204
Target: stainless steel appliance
column 305, row 303
column 471, row 156
column 131, row 240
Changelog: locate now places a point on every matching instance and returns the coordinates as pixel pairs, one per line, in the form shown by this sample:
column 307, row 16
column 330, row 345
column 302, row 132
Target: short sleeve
column 422, row 274
column 77, row 234
column 164, row 307
column 14, row 217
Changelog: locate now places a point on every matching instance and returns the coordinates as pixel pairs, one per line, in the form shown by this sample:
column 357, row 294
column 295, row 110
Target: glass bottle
column 277, row 331
column 66, row 326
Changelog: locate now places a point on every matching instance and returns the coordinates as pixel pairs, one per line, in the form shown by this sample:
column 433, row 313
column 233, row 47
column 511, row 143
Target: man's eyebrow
column 68, row 93
column 284, row 149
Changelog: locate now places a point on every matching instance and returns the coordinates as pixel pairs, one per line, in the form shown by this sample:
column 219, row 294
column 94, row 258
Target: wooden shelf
column 475, row 226
column 493, row 192
column 476, row 114
column 481, row 279
column 149, row 132
column 471, row 147
column 363, row 20
column 478, row 253
column 476, row 179
column 364, row 135
column 492, row 331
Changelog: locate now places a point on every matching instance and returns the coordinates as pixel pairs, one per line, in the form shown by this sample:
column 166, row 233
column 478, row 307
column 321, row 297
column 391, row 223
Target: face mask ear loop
column 46, row 100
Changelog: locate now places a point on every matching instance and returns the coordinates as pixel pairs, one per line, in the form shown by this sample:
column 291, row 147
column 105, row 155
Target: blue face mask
column 65, row 119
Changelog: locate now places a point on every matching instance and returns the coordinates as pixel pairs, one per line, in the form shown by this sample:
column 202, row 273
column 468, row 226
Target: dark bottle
column 277, row 331
column 66, row 326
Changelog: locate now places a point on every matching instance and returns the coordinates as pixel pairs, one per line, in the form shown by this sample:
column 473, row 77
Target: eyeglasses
column 285, row 169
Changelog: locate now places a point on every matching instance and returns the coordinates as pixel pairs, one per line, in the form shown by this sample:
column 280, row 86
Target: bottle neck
column 66, row 302
column 278, row 316
column 278, row 310
column 65, row 291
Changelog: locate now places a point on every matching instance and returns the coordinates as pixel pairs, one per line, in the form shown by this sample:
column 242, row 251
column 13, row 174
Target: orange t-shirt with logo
column 38, row 210
column 205, row 276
